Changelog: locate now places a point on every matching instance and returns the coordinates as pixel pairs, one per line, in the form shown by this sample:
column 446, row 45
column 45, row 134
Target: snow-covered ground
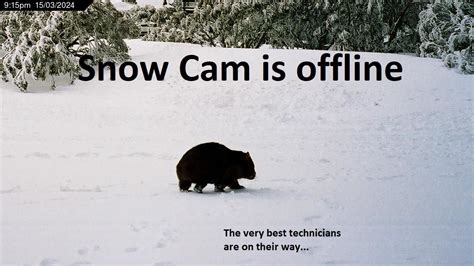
column 88, row 170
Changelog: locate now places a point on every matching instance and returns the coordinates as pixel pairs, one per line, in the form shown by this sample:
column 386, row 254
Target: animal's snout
column 253, row 175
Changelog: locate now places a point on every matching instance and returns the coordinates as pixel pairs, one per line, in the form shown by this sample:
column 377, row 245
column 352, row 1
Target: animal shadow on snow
column 254, row 192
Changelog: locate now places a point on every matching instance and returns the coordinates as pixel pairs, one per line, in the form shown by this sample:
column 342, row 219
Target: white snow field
column 88, row 170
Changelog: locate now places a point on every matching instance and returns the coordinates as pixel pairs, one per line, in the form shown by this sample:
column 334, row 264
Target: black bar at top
column 44, row 5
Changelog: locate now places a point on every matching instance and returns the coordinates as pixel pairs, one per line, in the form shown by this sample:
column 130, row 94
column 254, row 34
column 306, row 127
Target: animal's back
column 205, row 160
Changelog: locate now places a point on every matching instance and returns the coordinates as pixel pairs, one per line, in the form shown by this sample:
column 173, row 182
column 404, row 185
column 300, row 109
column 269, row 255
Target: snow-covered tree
column 212, row 24
column 35, row 50
column 362, row 25
column 434, row 29
column 356, row 27
column 3, row 22
column 300, row 25
column 141, row 14
column 172, row 24
column 401, row 19
column 38, row 45
column 447, row 32
column 251, row 25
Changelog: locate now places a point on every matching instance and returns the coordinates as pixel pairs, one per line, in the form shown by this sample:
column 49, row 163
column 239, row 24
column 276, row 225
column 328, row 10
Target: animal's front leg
column 234, row 184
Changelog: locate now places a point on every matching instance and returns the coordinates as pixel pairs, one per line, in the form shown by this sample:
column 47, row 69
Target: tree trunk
column 393, row 32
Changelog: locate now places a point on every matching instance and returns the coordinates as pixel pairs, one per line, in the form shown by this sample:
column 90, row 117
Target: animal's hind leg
column 219, row 187
column 184, row 185
column 199, row 187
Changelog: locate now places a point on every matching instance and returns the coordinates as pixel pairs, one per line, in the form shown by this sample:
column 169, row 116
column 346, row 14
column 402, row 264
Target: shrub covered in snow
column 434, row 29
column 47, row 44
column 447, row 32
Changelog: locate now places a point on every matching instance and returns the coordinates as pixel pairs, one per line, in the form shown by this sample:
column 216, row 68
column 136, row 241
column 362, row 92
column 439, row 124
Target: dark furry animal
column 214, row 163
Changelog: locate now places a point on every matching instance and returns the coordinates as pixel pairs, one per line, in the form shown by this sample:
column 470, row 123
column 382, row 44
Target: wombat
column 214, row 163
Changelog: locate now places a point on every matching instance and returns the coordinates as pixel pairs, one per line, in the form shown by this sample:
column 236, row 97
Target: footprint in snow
column 68, row 189
column 167, row 157
column 314, row 249
column 79, row 263
column 383, row 178
column 139, row 154
column 11, row 190
column 49, row 262
column 87, row 154
column 38, row 155
column 389, row 177
column 163, row 263
column 85, row 251
column 159, row 245
column 139, row 227
column 82, row 251
column 332, row 204
column 131, row 249
column 337, row 262
column 313, row 217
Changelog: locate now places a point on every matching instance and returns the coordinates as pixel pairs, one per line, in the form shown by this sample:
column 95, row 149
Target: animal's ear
column 247, row 156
